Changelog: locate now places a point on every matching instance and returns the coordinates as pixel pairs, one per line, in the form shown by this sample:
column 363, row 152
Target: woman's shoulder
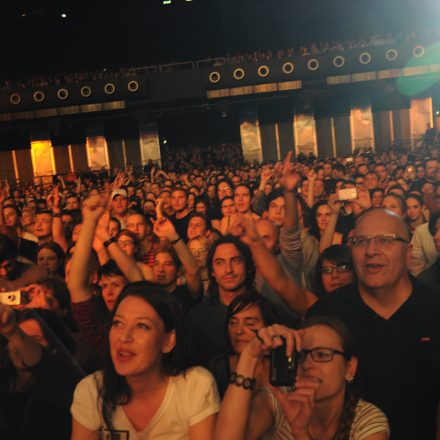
column 368, row 420
column 195, row 374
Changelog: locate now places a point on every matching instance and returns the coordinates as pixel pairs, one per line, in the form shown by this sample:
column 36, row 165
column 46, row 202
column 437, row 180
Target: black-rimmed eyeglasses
column 320, row 354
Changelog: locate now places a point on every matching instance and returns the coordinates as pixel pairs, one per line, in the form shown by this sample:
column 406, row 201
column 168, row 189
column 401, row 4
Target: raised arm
column 78, row 283
column 163, row 228
column 289, row 182
column 235, row 411
column 311, row 177
column 296, row 297
column 57, row 223
column 127, row 264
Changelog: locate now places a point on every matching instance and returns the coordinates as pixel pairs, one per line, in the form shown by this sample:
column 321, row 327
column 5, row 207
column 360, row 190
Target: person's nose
column 335, row 273
column 372, row 248
column 228, row 266
column 126, row 334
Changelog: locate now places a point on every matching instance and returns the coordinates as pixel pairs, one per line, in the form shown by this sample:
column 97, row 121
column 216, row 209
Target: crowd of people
column 165, row 305
column 251, row 55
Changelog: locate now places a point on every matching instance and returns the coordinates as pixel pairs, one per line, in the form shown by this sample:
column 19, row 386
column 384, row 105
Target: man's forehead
column 226, row 250
column 380, row 221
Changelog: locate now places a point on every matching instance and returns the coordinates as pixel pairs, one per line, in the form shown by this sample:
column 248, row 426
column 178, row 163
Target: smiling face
column 332, row 375
column 138, row 338
column 379, row 266
column 241, row 327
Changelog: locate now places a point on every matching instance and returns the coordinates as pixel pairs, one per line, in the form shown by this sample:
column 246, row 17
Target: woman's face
column 332, row 375
column 323, row 216
column 376, row 199
column 414, row 209
column 391, row 203
column 138, row 338
column 33, row 329
column 241, row 327
column 228, row 207
column 127, row 244
column 48, row 258
column 332, row 278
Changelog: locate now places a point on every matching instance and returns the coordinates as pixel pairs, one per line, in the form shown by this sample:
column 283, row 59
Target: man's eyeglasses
column 320, row 354
column 342, row 268
column 382, row 240
column 198, row 252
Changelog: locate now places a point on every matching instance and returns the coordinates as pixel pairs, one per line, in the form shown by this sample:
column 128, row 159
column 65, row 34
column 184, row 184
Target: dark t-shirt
column 399, row 358
column 208, row 322
column 181, row 226
column 184, row 297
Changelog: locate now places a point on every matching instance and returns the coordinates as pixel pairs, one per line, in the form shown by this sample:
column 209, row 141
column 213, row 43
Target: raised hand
column 163, row 228
column 101, row 232
column 289, row 177
column 244, row 228
column 121, row 179
column 363, row 198
column 56, row 198
column 94, row 207
column 334, row 203
column 272, row 337
column 39, row 297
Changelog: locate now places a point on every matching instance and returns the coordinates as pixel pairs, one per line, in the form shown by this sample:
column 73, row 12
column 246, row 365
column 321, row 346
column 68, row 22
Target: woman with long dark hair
column 320, row 404
column 149, row 387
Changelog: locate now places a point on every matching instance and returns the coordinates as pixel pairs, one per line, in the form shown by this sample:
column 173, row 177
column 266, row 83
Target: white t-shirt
column 189, row 399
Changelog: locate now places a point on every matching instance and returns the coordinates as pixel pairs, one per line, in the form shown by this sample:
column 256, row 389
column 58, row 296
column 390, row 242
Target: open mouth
column 124, row 355
column 373, row 268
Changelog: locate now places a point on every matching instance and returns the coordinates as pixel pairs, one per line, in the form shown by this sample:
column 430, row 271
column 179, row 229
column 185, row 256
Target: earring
column 165, row 351
column 350, row 380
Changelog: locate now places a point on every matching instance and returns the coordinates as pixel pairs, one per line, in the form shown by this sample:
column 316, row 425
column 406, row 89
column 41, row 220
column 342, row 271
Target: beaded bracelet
column 248, row 383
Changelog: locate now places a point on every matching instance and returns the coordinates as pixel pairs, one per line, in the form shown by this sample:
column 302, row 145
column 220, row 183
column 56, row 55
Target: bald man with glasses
column 396, row 322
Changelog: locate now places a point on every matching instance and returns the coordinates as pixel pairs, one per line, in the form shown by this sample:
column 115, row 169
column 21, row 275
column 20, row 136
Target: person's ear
column 169, row 343
column 352, row 364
